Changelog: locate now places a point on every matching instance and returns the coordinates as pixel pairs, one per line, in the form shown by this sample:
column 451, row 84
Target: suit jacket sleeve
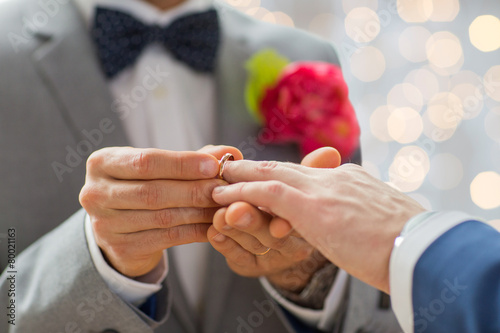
column 57, row 289
column 445, row 275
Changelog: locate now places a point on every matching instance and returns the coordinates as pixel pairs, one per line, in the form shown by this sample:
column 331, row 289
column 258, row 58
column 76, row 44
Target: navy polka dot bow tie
column 120, row 39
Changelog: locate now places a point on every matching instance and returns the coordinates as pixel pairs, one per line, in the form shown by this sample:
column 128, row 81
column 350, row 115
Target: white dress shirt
column 164, row 104
column 417, row 235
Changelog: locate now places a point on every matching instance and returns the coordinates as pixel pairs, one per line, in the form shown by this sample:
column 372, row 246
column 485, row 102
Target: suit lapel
column 233, row 121
column 236, row 126
column 66, row 61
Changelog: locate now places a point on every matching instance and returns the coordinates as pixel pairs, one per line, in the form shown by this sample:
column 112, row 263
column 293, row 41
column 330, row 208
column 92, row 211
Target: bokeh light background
column 424, row 78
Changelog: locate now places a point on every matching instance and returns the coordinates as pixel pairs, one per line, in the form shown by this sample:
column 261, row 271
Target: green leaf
column 264, row 69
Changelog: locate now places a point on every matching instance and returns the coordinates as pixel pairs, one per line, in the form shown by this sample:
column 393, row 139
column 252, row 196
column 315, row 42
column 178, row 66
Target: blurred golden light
column 446, row 171
column 444, row 50
column 269, row 18
column 368, row 64
column 492, row 83
column 244, row 3
column 466, row 76
column 484, row 33
column 425, row 81
column 445, row 10
column 378, row 123
column 362, row 25
column 445, row 110
column 492, row 125
column 485, row 190
column 415, row 11
column 349, row 5
column 471, row 97
column 259, row 13
column 283, row 19
column 278, row 18
column 409, row 168
column 434, row 132
column 412, row 43
column 405, row 95
column 323, row 25
column 405, row 125
column 447, row 72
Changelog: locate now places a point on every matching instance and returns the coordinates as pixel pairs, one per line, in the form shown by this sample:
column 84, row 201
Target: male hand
column 142, row 201
column 241, row 232
column 349, row 216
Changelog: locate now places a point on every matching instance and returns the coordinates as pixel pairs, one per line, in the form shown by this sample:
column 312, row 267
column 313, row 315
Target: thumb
column 326, row 157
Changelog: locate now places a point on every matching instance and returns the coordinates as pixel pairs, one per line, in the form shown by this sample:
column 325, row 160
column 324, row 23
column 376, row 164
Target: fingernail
column 219, row 189
column 227, row 228
column 244, row 221
column 209, row 168
column 219, row 238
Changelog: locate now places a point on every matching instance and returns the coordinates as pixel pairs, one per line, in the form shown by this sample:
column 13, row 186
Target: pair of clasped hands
column 142, row 201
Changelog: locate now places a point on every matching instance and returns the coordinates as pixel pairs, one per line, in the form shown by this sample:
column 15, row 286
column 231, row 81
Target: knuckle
column 181, row 164
column 142, row 162
column 348, row 170
column 164, row 218
column 201, row 194
column 115, row 247
column 149, row 194
column 302, row 254
column 195, row 196
column 267, row 167
column 275, row 188
column 119, row 251
column 89, row 196
column 173, row 234
column 100, row 227
column 207, row 214
column 198, row 232
column 95, row 160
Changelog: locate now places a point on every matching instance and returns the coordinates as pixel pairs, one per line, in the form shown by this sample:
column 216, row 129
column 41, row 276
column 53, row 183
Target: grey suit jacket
column 55, row 109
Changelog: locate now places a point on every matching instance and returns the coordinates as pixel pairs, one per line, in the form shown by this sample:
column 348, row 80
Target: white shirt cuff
column 418, row 234
column 321, row 319
column 133, row 291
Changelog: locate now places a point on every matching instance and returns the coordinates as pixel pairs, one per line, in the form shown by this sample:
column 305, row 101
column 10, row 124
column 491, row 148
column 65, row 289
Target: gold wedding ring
column 263, row 253
column 222, row 164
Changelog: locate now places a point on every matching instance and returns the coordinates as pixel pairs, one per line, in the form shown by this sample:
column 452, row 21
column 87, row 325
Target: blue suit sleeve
column 456, row 282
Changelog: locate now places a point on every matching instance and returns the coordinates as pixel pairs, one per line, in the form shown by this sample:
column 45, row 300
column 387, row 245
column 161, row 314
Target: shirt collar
column 142, row 10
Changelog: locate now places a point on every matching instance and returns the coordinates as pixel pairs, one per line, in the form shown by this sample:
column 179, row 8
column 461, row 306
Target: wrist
column 297, row 278
column 134, row 269
column 313, row 295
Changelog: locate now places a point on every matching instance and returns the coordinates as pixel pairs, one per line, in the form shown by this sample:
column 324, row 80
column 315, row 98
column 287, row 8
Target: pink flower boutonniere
column 309, row 101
